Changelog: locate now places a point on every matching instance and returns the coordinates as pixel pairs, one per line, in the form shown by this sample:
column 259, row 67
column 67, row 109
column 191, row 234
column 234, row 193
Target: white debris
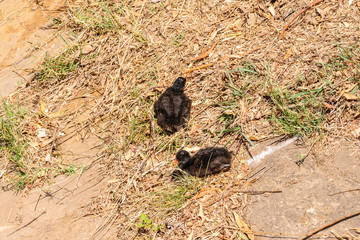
column 311, row 210
column 41, row 132
column 269, row 150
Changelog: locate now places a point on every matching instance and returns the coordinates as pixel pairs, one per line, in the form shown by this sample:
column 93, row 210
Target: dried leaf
column 206, row 191
column 349, row 96
column 329, row 106
column 256, row 137
column 46, row 142
column 43, row 111
column 194, row 128
column 288, row 54
column 243, row 226
column 205, row 54
column 214, row 33
column 243, row 107
column 87, row 49
column 238, row 220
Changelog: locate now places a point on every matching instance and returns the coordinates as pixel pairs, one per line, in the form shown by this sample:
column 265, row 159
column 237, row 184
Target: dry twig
column 297, row 15
column 259, row 192
column 351, row 190
column 27, row 224
column 330, row 225
column 205, row 53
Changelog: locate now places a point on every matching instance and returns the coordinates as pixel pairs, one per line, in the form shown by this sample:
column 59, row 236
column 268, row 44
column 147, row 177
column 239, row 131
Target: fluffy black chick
column 205, row 162
column 173, row 107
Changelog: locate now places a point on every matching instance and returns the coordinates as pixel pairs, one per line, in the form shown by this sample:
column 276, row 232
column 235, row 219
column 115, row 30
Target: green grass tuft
column 297, row 112
column 58, row 67
column 13, row 145
column 174, row 196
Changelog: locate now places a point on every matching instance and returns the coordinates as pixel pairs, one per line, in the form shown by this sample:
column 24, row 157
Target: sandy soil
column 26, row 36
column 24, row 39
column 64, row 205
column 311, row 194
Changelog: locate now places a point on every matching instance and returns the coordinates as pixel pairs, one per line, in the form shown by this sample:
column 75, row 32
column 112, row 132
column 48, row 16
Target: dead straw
column 296, row 16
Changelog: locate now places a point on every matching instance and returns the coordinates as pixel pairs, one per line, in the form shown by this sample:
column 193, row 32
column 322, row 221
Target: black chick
column 205, row 162
column 172, row 109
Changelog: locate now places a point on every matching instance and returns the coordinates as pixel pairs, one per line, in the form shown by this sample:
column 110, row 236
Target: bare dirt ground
column 103, row 110
column 321, row 190
column 63, row 206
column 26, row 34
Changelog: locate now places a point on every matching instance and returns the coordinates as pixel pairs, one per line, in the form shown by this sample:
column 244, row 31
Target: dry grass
column 125, row 54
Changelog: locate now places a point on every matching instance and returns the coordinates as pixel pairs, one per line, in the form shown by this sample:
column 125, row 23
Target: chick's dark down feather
column 205, row 162
column 172, row 109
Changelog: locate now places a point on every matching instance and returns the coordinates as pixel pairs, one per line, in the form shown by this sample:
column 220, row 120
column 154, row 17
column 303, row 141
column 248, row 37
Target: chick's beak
column 176, row 162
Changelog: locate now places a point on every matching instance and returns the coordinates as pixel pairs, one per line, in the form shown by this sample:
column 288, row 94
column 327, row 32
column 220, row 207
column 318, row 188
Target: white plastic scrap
column 269, row 150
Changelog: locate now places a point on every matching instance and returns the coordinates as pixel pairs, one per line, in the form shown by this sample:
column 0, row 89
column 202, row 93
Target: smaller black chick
column 173, row 107
column 205, row 162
